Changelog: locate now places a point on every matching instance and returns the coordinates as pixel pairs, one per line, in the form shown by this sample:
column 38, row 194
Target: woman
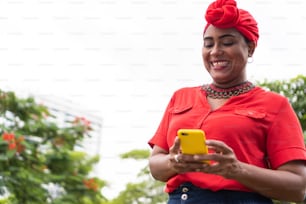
column 256, row 142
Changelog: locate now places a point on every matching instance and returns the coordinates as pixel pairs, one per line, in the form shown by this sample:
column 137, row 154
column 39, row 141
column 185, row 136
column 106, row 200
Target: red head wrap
column 225, row 14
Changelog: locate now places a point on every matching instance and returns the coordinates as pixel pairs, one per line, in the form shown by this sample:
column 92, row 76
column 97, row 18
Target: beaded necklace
column 220, row 93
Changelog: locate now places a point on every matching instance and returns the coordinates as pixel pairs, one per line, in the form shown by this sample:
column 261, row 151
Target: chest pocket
column 182, row 116
column 181, row 109
column 187, row 116
column 256, row 114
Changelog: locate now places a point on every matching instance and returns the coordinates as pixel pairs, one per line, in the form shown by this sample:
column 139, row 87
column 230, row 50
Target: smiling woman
column 109, row 57
column 257, row 151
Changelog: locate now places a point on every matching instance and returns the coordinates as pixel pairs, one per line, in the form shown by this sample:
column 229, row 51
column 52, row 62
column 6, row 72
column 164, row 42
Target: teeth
column 220, row 63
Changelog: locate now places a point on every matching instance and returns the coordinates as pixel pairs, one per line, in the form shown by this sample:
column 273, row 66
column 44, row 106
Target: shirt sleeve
column 160, row 136
column 285, row 140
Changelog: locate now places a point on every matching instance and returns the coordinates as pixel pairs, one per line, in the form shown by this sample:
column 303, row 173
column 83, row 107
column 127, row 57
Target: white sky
column 122, row 59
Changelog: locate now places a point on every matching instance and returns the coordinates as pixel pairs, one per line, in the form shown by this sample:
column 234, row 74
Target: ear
column 251, row 49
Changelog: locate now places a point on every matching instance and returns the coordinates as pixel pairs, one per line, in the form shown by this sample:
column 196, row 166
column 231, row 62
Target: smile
column 219, row 63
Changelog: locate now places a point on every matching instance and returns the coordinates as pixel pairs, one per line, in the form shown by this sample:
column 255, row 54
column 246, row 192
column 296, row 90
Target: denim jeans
column 190, row 194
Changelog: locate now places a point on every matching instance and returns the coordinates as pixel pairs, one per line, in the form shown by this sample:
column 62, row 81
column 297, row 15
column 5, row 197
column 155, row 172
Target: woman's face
column 225, row 53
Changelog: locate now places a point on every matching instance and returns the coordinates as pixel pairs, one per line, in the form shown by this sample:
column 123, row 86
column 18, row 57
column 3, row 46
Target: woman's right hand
column 182, row 163
column 164, row 165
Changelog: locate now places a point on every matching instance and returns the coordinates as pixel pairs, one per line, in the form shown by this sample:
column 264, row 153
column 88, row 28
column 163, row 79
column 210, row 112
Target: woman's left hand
column 223, row 160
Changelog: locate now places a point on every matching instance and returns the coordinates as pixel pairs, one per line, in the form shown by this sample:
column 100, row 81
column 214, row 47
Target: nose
column 216, row 50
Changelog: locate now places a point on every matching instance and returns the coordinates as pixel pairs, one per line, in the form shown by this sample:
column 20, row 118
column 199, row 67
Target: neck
column 229, row 85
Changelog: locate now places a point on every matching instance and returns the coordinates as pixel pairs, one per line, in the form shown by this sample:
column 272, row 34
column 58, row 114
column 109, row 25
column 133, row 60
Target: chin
column 220, row 80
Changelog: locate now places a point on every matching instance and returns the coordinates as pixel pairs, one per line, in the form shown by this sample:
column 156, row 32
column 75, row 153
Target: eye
column 228, row 43
column 208, row 44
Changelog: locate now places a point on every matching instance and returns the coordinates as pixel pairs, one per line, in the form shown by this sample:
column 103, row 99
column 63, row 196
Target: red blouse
column 260, row 126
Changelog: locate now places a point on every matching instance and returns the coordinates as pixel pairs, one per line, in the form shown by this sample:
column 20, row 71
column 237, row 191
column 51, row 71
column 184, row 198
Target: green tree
column 39, row 161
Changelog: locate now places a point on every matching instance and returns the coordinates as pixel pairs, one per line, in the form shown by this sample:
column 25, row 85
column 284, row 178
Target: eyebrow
column 220, row 37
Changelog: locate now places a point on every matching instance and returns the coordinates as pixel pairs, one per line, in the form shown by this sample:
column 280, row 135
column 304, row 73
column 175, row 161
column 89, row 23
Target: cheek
column 205, row 59
column 239, row 56
column 243, row 55
column 204, row 55
column 243, row 59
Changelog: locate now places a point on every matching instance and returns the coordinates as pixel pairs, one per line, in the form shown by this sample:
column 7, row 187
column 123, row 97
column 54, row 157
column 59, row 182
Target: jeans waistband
column 188, row 193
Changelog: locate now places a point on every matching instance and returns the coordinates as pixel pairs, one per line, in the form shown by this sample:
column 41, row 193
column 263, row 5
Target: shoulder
column 186, row 95
column 267, row 94
column 188, row 90
column 269, row 97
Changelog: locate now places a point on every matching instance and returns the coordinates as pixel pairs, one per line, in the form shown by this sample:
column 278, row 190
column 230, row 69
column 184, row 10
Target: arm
column 163, row 165
column 159, row 163
column 288, row 182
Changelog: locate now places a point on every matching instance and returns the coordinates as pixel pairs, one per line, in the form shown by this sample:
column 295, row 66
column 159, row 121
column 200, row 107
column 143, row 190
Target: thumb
column 176, row 145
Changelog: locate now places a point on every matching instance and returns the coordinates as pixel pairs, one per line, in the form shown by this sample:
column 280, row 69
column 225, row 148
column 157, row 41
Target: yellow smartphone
column 192, row 141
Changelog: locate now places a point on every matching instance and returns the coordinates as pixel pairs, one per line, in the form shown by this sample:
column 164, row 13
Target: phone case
column 192, row 141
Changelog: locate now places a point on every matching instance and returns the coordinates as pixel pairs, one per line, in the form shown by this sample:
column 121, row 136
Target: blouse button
column 251, row 113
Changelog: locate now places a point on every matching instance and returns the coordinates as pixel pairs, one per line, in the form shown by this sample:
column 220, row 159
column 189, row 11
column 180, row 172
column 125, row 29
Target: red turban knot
column 225, row 14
